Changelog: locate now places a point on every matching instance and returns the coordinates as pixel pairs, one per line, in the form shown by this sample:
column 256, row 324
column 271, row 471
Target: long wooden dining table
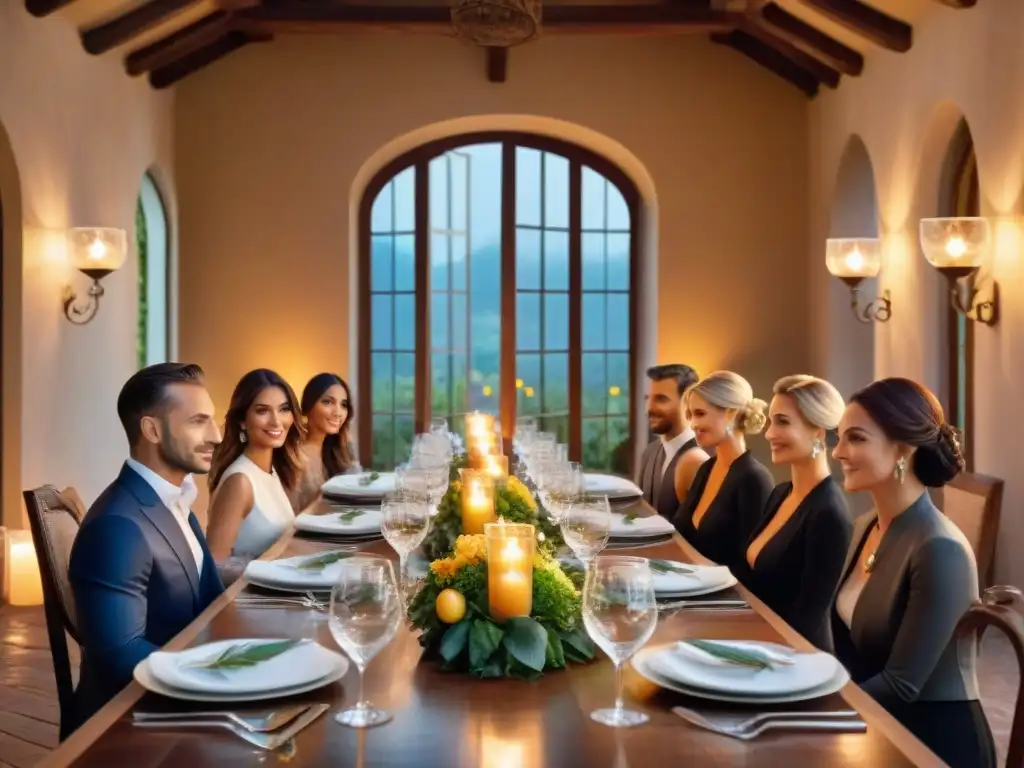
column 453, row 721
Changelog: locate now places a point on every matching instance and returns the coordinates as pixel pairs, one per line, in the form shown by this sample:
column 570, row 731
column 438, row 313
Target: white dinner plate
column 641, row 664
column 335, row 523
column 704, row 580
column 612, row 486
column 285, row 575
column 692, row 668
column 625, row 526
column 357, row 486
column 335, row 669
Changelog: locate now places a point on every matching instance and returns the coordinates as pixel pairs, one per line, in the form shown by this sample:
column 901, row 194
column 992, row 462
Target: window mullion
column 575, row 310
column 507, row 358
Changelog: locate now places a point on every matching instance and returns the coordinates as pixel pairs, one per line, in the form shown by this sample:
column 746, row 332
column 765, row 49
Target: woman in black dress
column 910, row 573
column 728, row 493
column 795, row 555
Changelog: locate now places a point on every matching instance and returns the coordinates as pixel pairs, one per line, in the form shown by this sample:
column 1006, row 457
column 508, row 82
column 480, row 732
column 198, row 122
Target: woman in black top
column 794, row 557
column 727, row 497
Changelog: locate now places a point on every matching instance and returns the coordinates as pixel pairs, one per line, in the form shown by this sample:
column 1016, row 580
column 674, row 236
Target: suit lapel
column 646, row 473
column 164, row 521
column 860, row 529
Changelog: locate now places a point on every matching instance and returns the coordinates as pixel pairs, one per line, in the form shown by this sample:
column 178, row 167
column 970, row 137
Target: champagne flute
column 620, row 615
column 365, row 613
column 406, row 521
column 586, row 526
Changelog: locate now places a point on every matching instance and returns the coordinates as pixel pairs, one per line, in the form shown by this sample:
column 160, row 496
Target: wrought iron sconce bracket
column 80, row 314
column 964, row 295
column 877, row 310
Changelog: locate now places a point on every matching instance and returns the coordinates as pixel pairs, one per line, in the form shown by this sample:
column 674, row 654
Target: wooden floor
column 28, row 695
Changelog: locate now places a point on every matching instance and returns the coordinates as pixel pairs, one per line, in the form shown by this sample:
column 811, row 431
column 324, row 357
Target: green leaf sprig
column 350, row 514
column 669, row 566
column 246, row 655
column 370, row 479
column 747, row 657
column 629, row 519
column 320, row 562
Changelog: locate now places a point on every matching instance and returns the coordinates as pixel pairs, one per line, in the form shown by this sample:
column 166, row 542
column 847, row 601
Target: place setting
column 359, row 489
column 343, row 523
column 629, row 530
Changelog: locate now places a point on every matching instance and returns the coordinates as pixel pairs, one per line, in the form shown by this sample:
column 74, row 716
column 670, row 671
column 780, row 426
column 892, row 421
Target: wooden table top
column 448, row 720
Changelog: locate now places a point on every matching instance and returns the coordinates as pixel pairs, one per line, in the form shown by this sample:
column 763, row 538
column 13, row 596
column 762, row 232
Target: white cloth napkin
column 610, row 485
column 703, row 577
column 332, row 522
column 352, row 485
column 639, row 526
column 286, row 573
column 303, row 663
column 700, row 656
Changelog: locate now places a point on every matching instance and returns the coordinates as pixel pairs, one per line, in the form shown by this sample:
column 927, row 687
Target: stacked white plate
column 358, row 522
column 360, row 486
column 297, row 574
column 614, row 487
column 626, row 526
column 792, row 676
column 304, row 667
column 681, row 580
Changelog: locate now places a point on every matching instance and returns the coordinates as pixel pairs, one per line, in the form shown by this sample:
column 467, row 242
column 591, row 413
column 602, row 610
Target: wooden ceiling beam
column 192, row 62
column 168, row 49
column 869, row 23
column 121, row 29
column 770, row 59
column 822, row 72
column 812, row 40
column 497, row 64
column 584, row 19
column 45, row 7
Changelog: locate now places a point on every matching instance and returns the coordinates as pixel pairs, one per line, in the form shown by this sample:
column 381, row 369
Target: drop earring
column 901, row 470
column 241, row 436
column 816, row 448
column 728, row 430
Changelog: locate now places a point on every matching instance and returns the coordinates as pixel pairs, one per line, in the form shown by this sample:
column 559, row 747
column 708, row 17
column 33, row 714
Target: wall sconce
column 853, row 260
column 957, row 247
column 95, row 252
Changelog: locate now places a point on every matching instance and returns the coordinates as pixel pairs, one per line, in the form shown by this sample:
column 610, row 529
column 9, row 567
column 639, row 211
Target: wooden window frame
column 419, row 158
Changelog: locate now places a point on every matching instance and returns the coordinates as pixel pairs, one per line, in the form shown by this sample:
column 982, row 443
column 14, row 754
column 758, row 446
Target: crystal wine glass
column 620, row 614
column 365, row 613
column 586, row 526
column 406, row 521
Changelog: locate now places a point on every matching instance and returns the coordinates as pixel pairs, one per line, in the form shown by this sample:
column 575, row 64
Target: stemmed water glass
column 364, row 615
column 620, row 614
column 562, row 486
column 586, row 525
column 405, row 524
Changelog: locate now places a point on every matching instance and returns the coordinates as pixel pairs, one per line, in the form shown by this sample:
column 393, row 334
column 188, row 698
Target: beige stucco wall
column 274, row 145
column 905, row 109
column 76, row 136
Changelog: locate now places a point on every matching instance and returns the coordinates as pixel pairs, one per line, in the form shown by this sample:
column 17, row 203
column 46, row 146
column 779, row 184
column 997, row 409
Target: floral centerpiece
column 480, row 616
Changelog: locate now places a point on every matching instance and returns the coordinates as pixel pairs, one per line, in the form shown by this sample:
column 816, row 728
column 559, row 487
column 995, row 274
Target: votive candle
column 510, row 548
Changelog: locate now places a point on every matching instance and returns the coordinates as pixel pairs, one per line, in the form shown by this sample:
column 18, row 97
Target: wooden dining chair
column 974, row 502
column 54, row 517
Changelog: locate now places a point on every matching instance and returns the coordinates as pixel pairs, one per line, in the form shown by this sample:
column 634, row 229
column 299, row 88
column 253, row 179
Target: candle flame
column 956, row 247
column 855, row 260
column 97, row 250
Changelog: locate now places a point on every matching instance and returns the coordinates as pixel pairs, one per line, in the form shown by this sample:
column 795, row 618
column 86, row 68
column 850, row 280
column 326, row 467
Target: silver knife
column 308, row 717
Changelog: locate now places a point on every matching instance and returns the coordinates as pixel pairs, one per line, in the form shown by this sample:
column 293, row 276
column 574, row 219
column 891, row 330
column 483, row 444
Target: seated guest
column 727, row 498
column 910, row 573
column 796, row 554
column 327, row 412
column 258, row 460
column 140, row 568
column 668, row 464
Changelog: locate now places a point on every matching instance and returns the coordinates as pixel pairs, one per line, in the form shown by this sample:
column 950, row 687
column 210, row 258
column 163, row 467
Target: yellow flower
column 445, row 568
column 471, row 548
column 514, row 485
column 543, row 562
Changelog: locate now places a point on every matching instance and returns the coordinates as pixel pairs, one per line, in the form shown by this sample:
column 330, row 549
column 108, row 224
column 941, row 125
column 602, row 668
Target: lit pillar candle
column 24, row 587
column 477, row 501
column 509, row 569
column 496, row 466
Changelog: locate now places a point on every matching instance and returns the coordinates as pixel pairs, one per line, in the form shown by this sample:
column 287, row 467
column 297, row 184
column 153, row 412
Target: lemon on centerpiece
column 450, row 606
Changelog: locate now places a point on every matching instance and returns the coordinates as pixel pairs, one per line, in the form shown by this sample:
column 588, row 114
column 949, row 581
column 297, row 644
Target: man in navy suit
column 140, row 568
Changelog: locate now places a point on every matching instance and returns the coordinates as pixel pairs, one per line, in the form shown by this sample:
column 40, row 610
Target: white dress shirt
column 672, row 446
column 178, row 500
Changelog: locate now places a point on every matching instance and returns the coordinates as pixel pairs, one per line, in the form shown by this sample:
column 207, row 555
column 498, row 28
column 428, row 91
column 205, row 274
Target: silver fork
column 267, row 741
column 734, row 605
column 309, row 600
column 253, row 722
column 840, row 721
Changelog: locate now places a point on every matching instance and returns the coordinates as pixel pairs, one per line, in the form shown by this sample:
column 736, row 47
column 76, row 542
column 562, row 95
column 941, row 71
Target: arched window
column 153, row 339
column 498, row 273
column 960, row 197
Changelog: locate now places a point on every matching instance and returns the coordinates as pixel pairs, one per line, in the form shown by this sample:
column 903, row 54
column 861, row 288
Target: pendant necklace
column 869, row 564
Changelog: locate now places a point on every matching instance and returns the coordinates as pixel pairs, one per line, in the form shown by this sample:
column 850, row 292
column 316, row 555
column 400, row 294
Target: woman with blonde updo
column 795, row 556
column 727, row 497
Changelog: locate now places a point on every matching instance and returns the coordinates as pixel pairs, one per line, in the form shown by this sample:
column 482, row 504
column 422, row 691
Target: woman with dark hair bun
column 910, row 573
column 327, row 411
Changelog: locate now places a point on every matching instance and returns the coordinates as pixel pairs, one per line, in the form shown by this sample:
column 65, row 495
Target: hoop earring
column 816, row 448
column 900, row 472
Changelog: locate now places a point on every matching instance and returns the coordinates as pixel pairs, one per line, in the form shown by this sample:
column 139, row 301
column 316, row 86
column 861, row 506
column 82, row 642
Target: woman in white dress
column 254, row 467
